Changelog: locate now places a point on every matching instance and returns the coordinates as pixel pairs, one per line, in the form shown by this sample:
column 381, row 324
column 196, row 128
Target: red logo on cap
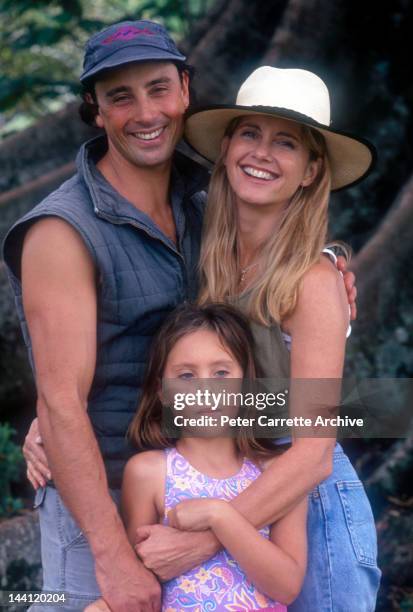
column 127, row 33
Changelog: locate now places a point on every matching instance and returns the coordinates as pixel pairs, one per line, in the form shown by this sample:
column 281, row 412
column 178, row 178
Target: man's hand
column 194, row 514
column 169, row 552
column 38, row 471
column 350, row 285
column 126, row 585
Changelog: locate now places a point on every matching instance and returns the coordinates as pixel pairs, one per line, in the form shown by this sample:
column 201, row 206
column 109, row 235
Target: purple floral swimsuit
column 219, row 584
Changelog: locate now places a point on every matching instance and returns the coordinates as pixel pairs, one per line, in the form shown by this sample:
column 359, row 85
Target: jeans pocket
column 39, row 497
column 359, row 520
column 69, row 531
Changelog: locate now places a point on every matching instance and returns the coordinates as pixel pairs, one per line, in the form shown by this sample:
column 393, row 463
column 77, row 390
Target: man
column 95, row 267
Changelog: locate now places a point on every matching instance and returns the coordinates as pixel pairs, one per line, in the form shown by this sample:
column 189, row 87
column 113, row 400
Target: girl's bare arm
column 275, row 566
column 142, row 491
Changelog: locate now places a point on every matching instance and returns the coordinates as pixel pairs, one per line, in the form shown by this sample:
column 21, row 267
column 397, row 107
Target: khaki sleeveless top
column 271, row 350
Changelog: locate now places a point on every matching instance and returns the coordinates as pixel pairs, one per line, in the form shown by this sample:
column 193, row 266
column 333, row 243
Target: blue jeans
column 342, row 573
column 67, row 560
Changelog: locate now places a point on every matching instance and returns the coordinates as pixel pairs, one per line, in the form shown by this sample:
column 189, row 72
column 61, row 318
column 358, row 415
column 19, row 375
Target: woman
column 266, row 223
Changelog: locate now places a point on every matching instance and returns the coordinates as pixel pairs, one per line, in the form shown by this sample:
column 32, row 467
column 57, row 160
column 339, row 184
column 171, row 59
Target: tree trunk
column 307, row 31
column 391, row 244
column 41, row 148
column 233, row 45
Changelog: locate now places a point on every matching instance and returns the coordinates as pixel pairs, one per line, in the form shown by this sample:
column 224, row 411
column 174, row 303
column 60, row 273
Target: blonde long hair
column 294, row 248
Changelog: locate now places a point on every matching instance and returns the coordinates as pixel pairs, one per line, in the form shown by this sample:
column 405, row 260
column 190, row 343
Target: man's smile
column 148, row 135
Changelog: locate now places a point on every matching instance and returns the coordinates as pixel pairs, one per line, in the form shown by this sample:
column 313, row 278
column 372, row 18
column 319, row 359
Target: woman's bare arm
column 318, row 329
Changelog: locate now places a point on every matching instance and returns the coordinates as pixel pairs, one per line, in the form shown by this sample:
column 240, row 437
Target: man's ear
column 311, row 173
column 185, row 88
column 92, row 100
column 99, row 121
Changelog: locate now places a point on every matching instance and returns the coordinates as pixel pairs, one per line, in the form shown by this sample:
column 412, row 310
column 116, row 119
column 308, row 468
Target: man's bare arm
column 59, row 297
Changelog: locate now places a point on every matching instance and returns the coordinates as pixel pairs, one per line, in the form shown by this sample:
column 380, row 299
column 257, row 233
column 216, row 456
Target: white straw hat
column 298, row 95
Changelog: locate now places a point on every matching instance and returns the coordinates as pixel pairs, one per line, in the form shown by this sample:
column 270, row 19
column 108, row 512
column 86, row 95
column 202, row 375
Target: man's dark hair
column 88, row 110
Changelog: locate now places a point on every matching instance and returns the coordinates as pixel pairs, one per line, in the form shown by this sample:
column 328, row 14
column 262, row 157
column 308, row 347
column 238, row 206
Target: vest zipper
column 102, row 215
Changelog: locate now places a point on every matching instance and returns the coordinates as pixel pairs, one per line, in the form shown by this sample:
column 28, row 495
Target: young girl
column 256, row 570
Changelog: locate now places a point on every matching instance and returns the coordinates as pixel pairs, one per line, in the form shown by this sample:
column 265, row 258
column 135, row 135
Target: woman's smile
column 259, row 173
column 266, row 160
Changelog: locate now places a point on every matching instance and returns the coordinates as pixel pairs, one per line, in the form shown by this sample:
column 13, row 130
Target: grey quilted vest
column 142, row 276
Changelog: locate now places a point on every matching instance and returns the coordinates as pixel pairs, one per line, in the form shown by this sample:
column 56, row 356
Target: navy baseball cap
column 125, row 42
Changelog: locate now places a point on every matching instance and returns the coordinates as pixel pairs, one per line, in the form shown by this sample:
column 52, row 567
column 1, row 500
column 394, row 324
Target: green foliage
column 11, row 462
column 40, row 53
column 41, row 47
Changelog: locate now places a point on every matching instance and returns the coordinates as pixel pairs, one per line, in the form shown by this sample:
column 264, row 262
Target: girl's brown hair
column 233, row 331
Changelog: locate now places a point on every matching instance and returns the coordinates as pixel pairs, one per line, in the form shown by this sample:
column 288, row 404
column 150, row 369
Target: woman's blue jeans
column 342, row 573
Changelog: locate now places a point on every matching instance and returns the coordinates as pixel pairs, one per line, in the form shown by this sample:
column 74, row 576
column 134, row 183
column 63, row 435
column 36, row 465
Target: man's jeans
column 67, row 560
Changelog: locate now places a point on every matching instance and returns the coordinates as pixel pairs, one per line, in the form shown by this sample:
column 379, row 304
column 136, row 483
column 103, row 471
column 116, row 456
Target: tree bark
column 20, row 539
column 395, row 469
column 48, row 144
column 233, row 45
column 305, row 34
column 392, row 240
column 390, row 244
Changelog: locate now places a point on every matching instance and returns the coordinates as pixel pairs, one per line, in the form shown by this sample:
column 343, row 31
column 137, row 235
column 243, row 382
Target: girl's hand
column 38, row 471
column 99, row 605
column 196, row 514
